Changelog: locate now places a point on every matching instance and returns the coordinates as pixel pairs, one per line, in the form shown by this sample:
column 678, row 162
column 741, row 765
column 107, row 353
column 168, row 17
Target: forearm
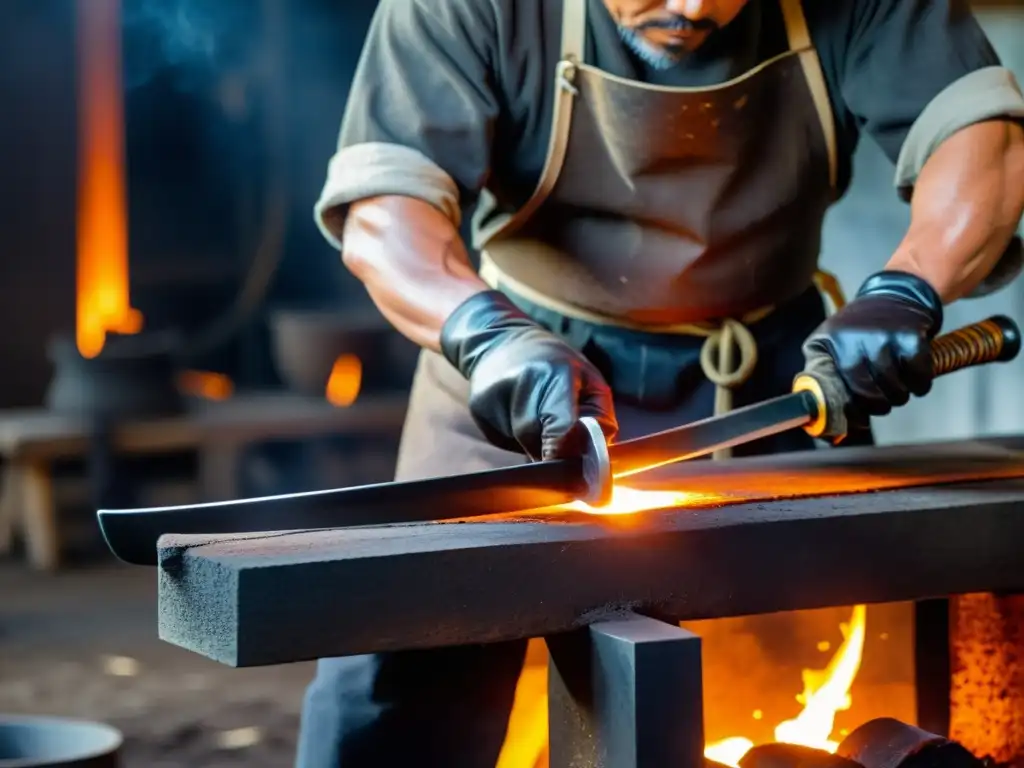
column 967, row 204
column 412, row 261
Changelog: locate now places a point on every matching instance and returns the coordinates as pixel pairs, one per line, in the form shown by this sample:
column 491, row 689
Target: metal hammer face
column 597, row 465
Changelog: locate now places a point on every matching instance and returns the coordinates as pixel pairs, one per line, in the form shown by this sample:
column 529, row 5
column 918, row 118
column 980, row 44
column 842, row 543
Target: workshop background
column 230, row 110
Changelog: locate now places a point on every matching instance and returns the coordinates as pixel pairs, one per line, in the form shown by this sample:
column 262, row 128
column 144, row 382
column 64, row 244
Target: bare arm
column 412, row 261
column 414, row 146
column 967, row 204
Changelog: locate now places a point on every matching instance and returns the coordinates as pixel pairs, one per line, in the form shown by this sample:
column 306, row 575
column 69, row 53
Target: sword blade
column 132, row 534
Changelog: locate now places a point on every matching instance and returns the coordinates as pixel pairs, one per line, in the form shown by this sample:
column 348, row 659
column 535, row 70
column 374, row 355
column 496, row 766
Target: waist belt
column 729, row 353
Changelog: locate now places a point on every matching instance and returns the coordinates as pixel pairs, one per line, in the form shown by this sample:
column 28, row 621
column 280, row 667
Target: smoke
column 191, row 40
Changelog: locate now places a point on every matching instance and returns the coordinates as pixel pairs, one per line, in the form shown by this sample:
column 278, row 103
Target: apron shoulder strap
column 574, row 39
column 800, row 42
column 796, row 25
column 574, row 29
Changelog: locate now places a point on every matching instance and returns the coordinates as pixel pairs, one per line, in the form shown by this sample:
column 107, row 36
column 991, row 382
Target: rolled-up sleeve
column 421, row 110
column 917, row 72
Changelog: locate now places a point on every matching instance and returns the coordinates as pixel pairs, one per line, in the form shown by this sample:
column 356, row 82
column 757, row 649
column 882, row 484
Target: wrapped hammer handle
column 995, row 340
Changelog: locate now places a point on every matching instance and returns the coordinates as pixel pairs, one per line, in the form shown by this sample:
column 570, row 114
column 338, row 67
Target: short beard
column 659, row 58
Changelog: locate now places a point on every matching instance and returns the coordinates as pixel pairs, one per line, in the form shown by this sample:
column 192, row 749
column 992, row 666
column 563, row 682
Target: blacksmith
column 646, row 182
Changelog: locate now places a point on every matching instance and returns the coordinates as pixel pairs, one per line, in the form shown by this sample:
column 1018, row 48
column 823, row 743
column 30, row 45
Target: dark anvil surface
column 750, row 540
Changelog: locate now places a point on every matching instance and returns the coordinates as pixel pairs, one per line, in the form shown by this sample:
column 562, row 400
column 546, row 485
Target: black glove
column 528, row 388
column 879, row 344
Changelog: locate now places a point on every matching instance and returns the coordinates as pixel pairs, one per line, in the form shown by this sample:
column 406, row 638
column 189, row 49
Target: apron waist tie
column 728, row 358
column 718, row 360
column 729, row 354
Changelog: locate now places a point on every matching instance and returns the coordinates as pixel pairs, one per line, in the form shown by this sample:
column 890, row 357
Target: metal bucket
column 35, row 742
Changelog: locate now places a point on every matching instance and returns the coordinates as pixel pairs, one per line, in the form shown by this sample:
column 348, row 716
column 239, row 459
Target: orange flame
column 527, row 740
column 629, row 501
column 207, row 385
column 825, row 693
column 102, row 242
column 345, row 381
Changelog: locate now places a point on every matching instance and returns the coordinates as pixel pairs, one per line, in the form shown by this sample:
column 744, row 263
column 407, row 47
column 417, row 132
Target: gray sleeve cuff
column 376, row 169
column 984, row 94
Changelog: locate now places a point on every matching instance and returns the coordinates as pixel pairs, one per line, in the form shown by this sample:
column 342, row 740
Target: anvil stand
column 626, row 693
column 927, row 541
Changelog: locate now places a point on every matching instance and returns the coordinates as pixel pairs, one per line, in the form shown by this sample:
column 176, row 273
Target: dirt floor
column 83, row 643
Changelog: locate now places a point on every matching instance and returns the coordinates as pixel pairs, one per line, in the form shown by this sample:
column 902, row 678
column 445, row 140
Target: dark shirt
column 470, row 83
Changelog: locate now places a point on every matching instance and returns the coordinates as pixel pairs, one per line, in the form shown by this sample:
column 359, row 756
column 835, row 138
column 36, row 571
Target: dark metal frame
column 625, row 680
column 932, row 665
column 626, row 693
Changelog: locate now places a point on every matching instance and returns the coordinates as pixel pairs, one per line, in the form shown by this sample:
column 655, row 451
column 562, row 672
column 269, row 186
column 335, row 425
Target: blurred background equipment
column 180, row 318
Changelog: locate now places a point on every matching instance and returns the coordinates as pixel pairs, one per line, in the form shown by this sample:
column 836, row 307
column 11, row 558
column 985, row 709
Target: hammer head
column 597, row 465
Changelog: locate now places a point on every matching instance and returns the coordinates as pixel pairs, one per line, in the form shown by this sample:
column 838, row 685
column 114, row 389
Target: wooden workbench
column 32, row 440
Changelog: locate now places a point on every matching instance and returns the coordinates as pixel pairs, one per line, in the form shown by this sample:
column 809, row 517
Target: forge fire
column 102, row 294
column 825, row 693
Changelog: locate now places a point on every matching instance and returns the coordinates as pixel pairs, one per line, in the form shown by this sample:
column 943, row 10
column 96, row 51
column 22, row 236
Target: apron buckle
column 566, row 75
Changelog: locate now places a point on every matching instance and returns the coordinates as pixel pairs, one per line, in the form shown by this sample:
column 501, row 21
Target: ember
column 345, row 381
column 207, row 385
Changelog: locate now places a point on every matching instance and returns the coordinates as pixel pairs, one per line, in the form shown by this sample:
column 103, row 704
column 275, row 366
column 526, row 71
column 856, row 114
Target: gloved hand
column 879, row 344
column 528, row 388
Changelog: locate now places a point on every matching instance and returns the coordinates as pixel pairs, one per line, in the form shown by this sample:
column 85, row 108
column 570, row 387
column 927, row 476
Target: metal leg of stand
column 626, row 693
column 932, row 670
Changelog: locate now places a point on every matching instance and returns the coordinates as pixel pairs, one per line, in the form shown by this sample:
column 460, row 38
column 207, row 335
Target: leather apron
column 693, row 211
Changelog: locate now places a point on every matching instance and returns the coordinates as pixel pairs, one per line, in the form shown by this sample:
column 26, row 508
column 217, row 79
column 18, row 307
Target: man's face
column 663, row 31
